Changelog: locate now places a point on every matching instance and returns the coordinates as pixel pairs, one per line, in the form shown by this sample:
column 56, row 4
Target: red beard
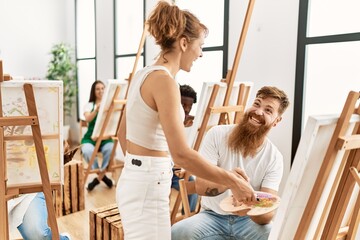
column 247, row 138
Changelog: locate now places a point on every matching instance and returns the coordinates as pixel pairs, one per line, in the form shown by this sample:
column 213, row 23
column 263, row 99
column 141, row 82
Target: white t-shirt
column 265, row 169
column 89, row 106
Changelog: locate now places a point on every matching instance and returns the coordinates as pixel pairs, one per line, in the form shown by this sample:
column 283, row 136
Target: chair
column 187, row 188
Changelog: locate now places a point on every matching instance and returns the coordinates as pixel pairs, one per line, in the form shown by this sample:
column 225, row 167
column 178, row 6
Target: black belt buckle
column 136, row 162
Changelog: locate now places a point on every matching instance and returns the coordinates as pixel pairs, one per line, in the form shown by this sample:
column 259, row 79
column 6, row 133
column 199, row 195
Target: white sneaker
column 65, row 234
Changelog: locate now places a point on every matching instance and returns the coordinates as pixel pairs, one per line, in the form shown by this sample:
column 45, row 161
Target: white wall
column 28, row 30
column 268, row 57
column 105, row 39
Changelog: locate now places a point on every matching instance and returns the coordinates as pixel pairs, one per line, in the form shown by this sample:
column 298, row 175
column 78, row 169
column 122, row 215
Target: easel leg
column 4, row 226
column 355, row 219
column 91, row 161
column 354, row 223
column 30, row 100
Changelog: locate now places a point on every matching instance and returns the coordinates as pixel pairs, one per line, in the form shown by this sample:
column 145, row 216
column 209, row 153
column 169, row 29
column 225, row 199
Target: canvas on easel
column 216, row 101
column 110, row 130
column 21, row 157
column 326, row 152
column 30, row 144
column 107, row 121
column 220, row 97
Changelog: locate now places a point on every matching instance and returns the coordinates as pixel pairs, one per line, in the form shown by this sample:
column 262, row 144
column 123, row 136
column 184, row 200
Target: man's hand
column 180, row 173
column 189, row 119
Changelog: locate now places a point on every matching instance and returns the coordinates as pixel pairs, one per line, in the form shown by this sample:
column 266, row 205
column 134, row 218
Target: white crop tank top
column 142, row 122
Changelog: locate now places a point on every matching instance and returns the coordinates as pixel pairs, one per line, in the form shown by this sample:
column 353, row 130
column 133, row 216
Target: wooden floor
column 77, row 224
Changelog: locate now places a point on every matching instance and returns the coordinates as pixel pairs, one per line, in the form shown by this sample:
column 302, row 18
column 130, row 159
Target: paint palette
column 265, row 203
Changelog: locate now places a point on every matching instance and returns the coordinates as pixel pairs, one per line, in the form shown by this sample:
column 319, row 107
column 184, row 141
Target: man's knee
column 41, row 234
column 177, row 232
column 184, row 229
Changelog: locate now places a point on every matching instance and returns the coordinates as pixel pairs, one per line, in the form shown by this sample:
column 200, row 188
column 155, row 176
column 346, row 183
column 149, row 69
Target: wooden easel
column 238, row 110
column 225, row 110
column 342, row 187
column 114, row 106
column 144, row 34
column 6, row 192
column 230, row 77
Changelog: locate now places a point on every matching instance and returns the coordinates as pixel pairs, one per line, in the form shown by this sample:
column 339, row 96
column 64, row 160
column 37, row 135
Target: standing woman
column 152, row 126
column 87, row 144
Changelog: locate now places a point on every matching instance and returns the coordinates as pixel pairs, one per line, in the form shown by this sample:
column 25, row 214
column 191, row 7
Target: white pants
column 142, row 196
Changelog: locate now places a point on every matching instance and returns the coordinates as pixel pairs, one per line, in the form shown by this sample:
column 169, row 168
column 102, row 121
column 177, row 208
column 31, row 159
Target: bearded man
column 243, row 148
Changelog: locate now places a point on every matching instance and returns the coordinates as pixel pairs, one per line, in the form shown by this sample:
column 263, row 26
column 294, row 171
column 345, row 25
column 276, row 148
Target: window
column 328, row 59
column 129, row 18
column 212, row 67
column 85, row 50
column 129, row 24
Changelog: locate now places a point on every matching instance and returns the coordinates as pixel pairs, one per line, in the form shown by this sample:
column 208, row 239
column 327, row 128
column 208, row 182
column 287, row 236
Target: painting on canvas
column 21, row 160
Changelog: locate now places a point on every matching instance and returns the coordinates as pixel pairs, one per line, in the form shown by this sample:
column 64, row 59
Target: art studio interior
column 57, row 55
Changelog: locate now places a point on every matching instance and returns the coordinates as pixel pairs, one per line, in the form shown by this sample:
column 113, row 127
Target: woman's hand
column 97, row 107
column 241, row 188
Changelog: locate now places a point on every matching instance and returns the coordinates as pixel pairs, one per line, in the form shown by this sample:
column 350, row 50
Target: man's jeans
column 34, row 226
column 210, row 225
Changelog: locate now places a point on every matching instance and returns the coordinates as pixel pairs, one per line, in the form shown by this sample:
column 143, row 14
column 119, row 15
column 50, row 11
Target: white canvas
column 307, row 162
column 21, row 160
column 109, row 91
column 191, row 132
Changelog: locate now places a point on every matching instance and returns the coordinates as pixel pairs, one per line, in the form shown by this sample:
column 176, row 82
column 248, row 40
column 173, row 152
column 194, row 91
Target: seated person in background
column 87, row 144
column 188, row 98
column 28, row 213
column 245, row 149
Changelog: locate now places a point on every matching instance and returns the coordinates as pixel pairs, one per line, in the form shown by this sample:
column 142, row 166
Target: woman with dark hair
column 152, row 128
column 87, row 144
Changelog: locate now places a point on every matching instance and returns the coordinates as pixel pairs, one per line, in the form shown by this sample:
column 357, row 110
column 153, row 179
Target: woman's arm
column 162, row 93
column 211, row 189
column 208, row 188
column 90, row 115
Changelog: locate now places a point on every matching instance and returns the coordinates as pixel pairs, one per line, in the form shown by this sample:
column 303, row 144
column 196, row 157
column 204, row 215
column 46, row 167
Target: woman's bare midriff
column 135, row 149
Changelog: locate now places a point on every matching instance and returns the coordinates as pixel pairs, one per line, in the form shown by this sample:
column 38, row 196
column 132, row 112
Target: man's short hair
column 188, row 91
column 274, row 92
